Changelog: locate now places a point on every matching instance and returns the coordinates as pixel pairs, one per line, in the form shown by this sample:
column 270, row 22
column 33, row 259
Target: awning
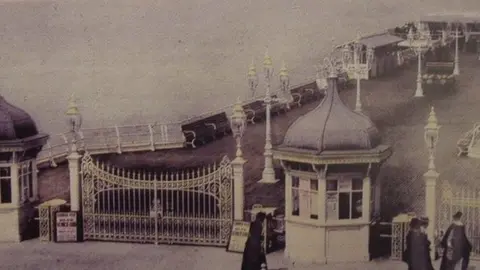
column 375, row 41
column 468, row 17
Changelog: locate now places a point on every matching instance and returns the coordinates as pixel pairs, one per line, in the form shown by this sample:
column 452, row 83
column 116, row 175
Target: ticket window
column 305, row 197
column 344, row 198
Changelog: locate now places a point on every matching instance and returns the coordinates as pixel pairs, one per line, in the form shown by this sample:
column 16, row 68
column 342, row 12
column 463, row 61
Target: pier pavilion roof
column 15, row 123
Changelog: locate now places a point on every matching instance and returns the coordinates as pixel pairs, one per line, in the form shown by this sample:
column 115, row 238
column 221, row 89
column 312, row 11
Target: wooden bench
column 343, row 81
column 219, row 123
column 278, row 106
column 304, row 94
column 439, row 67
column 255, row 111
column 198, row 131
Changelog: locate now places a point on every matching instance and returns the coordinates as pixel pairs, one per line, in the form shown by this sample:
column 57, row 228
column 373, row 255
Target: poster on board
column 238, row 236
column 66, row 224
column 332, row 206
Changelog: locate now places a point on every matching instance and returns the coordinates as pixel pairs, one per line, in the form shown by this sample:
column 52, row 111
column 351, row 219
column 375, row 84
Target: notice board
column 66, row 227
column 238, row 236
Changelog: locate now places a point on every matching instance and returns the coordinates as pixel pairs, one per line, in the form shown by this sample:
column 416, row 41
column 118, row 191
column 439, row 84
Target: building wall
column 9, row 224
column 347, row 244
column 310, row 243
column 305, row 244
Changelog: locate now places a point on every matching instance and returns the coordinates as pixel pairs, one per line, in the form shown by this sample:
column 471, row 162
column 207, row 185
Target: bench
column 198, row 131
column 278, row 106
column 304, row 94
column 343, row 81
column 255, row 111
column 440, row 67
column 220, row 124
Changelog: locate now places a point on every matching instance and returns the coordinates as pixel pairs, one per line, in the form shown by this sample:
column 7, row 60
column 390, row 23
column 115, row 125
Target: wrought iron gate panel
column 193, row 207
column 455, row 198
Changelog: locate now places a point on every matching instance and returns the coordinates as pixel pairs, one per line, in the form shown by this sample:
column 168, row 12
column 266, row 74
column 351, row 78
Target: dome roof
column 15, row 123
column 332, row 126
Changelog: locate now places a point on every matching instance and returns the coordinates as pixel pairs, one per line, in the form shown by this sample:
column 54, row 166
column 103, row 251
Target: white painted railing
column 116, row 139
column 228, row 109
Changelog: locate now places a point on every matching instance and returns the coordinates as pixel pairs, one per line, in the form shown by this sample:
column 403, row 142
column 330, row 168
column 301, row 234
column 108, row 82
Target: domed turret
column 332, row 126
column 15, row 123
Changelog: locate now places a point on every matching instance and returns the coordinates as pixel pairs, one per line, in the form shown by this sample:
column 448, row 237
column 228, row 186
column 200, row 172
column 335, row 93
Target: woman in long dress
column 254, row 254
column 417, row 253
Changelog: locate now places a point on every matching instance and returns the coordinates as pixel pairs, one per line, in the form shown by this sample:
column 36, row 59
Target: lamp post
column 359, row 69
column 252, row 78
column 74, row 120
column 268, row 175
column 284, row 85
column 431, row 176
column 420, row 43
column 238, row 123
column 456, row 69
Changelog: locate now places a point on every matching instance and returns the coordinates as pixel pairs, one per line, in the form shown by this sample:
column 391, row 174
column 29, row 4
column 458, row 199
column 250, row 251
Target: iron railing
column 116, row 139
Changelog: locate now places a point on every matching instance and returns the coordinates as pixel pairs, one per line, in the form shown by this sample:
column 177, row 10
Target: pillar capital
column 431, row 176
column 239, row 161
column 74, row 155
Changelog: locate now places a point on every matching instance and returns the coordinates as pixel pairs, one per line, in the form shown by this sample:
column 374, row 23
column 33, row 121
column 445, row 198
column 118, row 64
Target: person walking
column 254, row 255
column 417, row 254
column 457, row 248
column 424, row 221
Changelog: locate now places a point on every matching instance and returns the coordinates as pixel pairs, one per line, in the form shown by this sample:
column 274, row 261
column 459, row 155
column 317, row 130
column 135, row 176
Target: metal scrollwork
column 118, row 205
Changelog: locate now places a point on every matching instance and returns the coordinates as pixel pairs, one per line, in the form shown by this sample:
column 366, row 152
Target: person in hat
column 456, row 246
column 424, row 221
column 254, row 255
column 417, row 255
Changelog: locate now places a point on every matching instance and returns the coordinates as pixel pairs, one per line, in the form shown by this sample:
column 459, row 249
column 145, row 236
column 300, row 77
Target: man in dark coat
column 424, row 221
column 254, row 253
column 417, row 254
column 457, row 248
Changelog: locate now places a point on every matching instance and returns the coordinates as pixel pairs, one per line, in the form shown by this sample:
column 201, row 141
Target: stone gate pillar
column 74, row 171
column 431, row 177
column 238, row 188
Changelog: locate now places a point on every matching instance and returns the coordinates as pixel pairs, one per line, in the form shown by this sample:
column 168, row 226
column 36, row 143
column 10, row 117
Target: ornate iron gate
column 462, row 198
column 189, row 207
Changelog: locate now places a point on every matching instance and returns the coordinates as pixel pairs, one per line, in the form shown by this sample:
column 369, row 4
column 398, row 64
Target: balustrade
column 113, row 139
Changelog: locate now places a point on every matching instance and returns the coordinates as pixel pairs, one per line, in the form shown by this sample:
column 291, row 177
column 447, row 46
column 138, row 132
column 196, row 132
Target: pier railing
column 114, row 139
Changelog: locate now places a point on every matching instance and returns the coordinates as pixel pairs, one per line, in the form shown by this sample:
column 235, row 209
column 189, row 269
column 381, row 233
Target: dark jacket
column 253, row 254
column 417, row 253
column 460, row 248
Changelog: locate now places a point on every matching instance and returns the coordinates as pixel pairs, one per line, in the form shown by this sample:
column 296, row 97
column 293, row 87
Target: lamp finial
column 72, row 106
column 284, row 70
column 267, row 60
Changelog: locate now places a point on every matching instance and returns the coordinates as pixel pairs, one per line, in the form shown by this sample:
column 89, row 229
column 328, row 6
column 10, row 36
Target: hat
column 415, row 223
column 457, row 215
column 424, row 221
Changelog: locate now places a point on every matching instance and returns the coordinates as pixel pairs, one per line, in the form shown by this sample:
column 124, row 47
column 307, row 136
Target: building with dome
column 331, row 157
column 20, row 142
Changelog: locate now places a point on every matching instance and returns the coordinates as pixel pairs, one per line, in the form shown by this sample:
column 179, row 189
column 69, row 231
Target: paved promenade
column 34, row 255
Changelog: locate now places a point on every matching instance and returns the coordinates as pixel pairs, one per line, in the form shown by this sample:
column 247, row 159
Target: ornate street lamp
column 420, row 42
column 284, row 84
column 358, row 68
column 252, row 78
column 238, row 121
column 74, row 120
column 268, row 175
column 456, row 69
